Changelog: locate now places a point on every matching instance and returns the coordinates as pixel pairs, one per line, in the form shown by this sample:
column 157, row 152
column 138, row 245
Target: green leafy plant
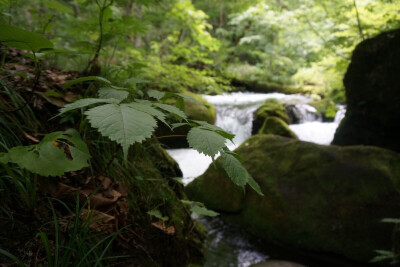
column 199, row 208
column 57, row 153
column 127, row 121
column 157, row 214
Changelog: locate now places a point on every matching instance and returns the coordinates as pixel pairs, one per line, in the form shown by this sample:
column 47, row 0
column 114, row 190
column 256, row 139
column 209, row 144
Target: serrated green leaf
column 177, row 125
column 156, row 213
column 202, row 211
column 86, row 102
column 216, row 129
column 390, row 220
column 48, row 158
column 253, row 184
column 235, row 170
column 106, row 93
column 122, row 123
column 148, row 108
column 237, row 156
column 171, row 109
column 155, row 94
column 205, row 141
column 15, row 37
column 85, row 79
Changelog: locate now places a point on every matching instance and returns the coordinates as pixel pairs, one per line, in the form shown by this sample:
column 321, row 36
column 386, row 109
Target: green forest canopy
column 200, row 45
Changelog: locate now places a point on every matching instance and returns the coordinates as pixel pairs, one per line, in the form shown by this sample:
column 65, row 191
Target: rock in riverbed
column 373, row 94
column 319, row 198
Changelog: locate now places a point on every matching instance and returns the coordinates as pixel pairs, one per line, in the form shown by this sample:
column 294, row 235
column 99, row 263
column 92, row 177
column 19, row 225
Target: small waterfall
column 340, row 114
column 235, row 115
column 301, row 113
column 235, row 111
column 316, row 131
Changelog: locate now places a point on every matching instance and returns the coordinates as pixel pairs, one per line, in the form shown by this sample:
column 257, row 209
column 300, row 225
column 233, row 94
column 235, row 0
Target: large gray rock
column 372, row 85
column 319, row 198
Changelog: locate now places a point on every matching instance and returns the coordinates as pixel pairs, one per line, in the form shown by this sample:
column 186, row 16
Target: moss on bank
column 272, row 118
column 318, row 198
column 275, row 125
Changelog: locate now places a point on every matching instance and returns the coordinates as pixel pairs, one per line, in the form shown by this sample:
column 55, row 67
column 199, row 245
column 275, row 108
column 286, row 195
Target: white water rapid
column 235, row 115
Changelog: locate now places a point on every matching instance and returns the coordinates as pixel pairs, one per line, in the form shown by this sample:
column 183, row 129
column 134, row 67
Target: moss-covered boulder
column 203, row 112
column 270, row 108
column 373, row 94
column 319, row 198
column 275, row 125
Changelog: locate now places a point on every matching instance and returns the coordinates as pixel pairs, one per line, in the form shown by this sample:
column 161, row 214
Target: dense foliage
column 304, row 42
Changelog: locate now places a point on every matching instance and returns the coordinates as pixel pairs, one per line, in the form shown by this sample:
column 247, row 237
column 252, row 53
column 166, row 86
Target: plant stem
column 358, row 21
column 102, row 8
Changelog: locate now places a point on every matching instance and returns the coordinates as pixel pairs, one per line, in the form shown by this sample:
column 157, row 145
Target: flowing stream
column 228, row 246
column 235, row 115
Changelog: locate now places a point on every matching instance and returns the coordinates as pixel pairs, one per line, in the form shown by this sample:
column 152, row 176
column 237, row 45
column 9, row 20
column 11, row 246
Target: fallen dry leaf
column 161, row 225
column 69, row 97
column 105, row 182
column 99, row 221
column 63, row 190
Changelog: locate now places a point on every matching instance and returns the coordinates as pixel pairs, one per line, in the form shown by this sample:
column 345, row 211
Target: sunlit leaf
column 216, row 129
column 148, row 108
column 235, row 170
column 205, row 141
column 155, row 94
column 57, row 153
column 171, row 109
column 106, row 93
column 86, row 102
column 122, row 123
